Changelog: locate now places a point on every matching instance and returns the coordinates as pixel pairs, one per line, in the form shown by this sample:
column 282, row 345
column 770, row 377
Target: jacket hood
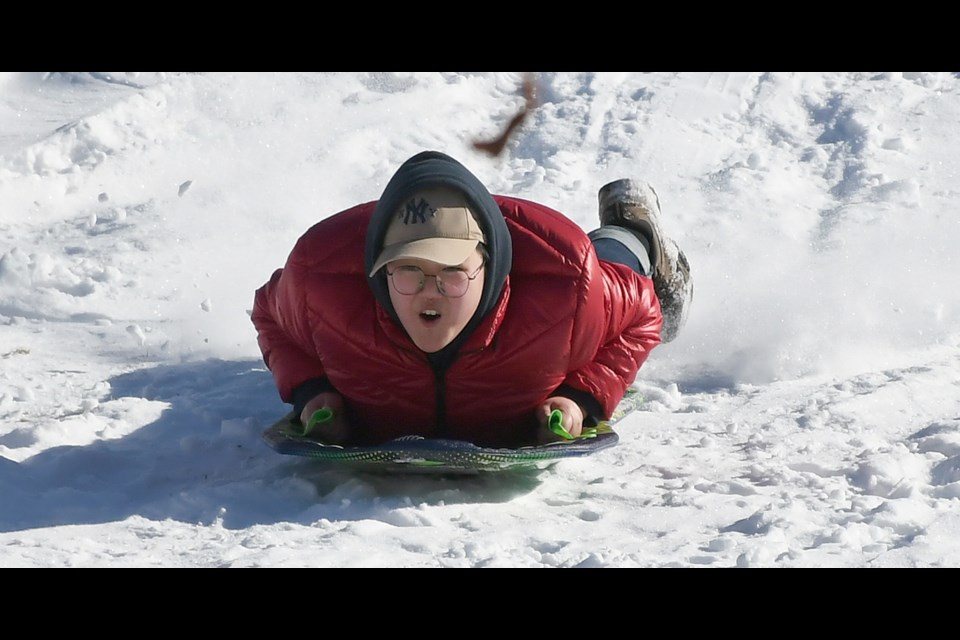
column 435, row 169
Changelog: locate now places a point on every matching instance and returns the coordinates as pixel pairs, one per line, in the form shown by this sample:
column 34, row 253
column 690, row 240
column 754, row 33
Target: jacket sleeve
column 279, row 315
column 627, row 318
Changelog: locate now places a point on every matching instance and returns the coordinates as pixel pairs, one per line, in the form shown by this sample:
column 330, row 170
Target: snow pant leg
column 620, row 245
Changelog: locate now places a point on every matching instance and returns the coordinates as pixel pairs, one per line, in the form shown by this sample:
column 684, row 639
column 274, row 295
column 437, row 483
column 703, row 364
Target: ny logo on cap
column 416, row 211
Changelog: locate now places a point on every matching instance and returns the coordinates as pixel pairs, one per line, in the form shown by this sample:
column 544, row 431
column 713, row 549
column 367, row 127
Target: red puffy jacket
column 563, row 317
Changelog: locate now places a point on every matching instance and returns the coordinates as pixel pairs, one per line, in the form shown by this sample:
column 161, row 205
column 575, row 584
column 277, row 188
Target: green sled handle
column 320, row 416
column 556, row 425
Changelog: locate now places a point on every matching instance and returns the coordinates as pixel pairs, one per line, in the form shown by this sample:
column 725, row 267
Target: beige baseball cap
column 433, row 224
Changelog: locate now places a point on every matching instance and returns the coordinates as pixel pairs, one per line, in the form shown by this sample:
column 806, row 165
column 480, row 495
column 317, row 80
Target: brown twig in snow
column 495, row 147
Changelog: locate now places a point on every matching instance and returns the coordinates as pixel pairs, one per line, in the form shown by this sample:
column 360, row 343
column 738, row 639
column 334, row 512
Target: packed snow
column 808, row 415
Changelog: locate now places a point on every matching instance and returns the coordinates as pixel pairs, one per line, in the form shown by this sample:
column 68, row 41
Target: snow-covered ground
column 808, row 415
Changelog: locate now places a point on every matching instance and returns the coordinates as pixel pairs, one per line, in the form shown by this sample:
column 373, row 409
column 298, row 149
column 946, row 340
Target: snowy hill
column 808, row 415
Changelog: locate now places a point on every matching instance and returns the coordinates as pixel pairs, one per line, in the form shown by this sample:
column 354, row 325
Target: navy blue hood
column 434, row 169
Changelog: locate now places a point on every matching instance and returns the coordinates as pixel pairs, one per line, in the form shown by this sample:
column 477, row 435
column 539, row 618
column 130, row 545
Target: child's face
column 431, row 319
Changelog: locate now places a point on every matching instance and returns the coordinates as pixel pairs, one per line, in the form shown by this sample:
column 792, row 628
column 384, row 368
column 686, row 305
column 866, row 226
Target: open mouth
column 430, row 316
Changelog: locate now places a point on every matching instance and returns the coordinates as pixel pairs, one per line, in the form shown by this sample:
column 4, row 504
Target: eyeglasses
column 452, row 282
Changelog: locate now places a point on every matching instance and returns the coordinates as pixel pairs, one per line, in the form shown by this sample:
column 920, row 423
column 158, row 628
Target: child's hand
column 335, row 429
column 572, row 418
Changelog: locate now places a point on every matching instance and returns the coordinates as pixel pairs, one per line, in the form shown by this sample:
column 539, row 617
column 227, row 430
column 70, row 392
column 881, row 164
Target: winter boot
column 635, row 206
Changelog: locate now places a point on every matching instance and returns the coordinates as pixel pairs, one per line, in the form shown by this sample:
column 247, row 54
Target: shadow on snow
column 203, row 461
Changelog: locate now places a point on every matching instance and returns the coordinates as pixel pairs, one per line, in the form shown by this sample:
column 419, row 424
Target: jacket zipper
column 441, row 406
